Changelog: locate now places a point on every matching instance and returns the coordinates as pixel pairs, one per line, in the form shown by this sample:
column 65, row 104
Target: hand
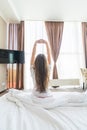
column 41, row 41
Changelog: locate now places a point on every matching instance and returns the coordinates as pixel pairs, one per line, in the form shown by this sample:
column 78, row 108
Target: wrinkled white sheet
column 63, row 111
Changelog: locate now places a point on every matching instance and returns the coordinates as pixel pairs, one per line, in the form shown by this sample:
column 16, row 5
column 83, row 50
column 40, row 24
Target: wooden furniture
column 84, row 77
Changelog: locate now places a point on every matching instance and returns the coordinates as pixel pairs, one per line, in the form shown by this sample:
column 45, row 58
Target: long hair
column 41, row 73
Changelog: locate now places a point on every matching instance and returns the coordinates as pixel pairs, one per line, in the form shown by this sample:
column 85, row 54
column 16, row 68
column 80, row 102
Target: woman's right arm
column 48, row 54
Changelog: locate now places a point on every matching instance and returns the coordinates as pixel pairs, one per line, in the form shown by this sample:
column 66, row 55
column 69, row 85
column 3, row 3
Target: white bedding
column 63, row 111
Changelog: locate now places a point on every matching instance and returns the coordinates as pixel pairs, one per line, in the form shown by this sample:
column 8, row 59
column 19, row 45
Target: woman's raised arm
column 33, row 54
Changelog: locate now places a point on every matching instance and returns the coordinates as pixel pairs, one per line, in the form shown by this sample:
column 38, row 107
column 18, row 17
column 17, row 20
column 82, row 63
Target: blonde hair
column 41, row 73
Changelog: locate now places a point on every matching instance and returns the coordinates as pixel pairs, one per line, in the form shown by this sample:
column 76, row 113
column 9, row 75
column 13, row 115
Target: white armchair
column 84, row 77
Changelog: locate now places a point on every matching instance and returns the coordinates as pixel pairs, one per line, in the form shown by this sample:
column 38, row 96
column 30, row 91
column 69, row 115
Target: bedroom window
column 71, row 56
column 34, row 30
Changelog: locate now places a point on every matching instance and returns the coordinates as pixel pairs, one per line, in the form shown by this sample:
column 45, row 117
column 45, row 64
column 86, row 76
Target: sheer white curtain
column 71, row 56
column 34, row 30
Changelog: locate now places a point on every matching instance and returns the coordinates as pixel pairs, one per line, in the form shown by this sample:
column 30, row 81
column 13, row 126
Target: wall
column 3, row 45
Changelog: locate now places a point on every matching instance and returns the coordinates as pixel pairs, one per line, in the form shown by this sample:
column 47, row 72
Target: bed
column 21, row 110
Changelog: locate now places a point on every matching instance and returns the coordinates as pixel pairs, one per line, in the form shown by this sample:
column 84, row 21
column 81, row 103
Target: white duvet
column 63, row 111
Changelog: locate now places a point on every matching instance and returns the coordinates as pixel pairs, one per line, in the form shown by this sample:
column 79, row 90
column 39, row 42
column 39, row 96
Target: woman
column 40, row 67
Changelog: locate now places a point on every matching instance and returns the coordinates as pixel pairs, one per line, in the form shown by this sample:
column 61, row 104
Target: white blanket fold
column 21, row 99
column 63, row 111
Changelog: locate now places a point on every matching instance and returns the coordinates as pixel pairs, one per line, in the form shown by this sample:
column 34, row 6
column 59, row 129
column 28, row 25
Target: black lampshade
column 11, row 56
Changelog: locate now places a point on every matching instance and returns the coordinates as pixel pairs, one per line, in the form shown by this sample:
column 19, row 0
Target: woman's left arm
column 33, row 55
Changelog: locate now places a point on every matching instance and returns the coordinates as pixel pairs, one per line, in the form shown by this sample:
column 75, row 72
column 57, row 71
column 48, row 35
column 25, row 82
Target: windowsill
column 71, row 88
column 75, row 88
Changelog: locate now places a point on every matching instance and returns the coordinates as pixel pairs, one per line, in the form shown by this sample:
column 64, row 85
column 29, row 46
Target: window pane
column 71, row 56
column 34, row 30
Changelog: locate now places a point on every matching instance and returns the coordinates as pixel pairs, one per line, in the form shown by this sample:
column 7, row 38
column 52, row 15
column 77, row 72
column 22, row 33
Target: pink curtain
column 54, row 33
column 15, row 42
column 84, row 35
